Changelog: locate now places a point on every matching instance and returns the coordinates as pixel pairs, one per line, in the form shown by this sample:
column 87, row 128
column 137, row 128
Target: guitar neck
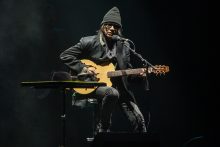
column 124, row 72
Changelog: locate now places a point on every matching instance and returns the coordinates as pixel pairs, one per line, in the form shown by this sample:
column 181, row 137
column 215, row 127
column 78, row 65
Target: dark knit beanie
column 113, row 15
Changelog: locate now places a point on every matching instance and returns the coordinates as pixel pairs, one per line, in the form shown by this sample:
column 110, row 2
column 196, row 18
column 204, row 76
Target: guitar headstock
column 159, row 69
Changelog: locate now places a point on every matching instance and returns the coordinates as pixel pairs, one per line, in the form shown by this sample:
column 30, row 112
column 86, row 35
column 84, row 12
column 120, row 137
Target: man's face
column 110, row 29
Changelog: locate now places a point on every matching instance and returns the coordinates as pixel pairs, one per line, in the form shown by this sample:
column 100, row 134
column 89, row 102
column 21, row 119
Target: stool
column 85, row 100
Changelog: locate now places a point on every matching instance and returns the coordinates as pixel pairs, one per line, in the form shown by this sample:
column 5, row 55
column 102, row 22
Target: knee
column 112, row 94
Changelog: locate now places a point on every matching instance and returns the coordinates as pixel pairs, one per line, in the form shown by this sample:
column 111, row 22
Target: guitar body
column 101, row 71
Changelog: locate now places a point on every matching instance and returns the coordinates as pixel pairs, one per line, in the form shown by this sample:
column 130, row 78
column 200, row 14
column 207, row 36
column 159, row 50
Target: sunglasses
column 110, row 25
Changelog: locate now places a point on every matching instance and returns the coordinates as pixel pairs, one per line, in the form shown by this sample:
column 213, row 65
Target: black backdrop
column 34, row 33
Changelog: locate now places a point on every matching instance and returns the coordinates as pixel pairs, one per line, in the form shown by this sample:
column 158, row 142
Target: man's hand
column 143, row 73
column 89, row 70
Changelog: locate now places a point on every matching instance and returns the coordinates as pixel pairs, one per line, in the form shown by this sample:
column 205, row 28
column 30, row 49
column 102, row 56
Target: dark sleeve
column 127, row 53
column 71, row 56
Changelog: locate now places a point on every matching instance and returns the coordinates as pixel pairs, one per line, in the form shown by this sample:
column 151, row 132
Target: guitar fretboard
column 124, row 72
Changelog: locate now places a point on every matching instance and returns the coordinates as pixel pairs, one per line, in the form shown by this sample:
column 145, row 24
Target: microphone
column 118, row 38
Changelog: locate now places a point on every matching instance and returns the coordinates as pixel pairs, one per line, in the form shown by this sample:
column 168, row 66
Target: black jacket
column 94, row 49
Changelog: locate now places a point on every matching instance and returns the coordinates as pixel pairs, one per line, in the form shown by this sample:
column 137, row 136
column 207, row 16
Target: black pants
column 107, row 98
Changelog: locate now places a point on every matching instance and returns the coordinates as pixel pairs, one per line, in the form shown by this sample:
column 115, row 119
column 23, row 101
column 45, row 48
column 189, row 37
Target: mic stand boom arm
column 146, row 63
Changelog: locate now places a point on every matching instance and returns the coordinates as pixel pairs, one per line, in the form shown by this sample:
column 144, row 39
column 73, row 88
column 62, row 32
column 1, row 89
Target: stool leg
column 96, row 118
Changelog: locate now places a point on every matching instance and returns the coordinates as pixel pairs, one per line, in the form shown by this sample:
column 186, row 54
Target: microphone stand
column 146, row 63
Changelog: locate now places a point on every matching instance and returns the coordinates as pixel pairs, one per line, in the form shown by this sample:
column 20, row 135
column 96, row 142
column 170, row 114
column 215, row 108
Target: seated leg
column 107, row 96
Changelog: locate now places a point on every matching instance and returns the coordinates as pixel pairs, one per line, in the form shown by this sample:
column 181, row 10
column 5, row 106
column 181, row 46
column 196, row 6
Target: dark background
column 175, row 33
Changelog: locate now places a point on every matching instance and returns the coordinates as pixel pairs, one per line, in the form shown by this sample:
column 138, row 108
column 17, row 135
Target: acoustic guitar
column 104, row 73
